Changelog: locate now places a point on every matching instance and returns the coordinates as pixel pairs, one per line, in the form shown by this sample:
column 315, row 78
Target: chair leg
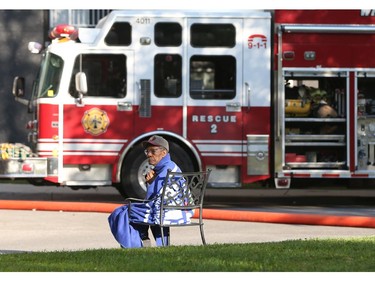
column 202, row 234
column 162, row 235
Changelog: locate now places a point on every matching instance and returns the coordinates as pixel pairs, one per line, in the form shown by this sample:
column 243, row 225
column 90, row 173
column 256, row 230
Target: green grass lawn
column 317, row 255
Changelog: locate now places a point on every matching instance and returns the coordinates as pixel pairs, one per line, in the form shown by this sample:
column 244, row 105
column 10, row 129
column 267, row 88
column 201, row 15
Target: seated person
column 125, row 225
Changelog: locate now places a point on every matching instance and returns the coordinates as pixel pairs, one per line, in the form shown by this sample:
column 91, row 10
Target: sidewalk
column 222, row 204
column 25, row 230
column 53, row 219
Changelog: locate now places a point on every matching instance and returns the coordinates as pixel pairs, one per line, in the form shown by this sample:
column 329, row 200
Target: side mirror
column 81, row 83
column 18, row 89
column 81, row 87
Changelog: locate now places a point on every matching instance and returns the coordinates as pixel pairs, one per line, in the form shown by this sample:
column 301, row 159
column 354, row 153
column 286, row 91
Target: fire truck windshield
column 50, row 74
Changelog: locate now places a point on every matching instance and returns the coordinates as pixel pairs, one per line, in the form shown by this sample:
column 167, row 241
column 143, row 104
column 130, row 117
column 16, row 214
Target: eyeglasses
column 152, row 150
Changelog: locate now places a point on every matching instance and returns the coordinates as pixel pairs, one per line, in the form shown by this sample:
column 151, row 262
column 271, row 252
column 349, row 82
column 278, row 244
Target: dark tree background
column 17, row 28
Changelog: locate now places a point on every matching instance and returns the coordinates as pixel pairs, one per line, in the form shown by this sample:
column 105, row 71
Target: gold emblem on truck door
column 95, row 121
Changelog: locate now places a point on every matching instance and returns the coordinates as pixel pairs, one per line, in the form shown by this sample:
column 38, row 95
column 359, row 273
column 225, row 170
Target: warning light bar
column 64, row 31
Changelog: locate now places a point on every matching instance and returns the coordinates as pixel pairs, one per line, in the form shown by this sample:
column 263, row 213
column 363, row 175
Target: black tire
column 183, row 159
column 135, row 166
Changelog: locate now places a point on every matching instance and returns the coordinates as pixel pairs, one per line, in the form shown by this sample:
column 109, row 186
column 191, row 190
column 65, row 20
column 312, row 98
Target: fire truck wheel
column 182, row 158
column 135, row 165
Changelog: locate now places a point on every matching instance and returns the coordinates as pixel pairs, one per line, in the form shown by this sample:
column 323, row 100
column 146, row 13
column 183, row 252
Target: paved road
column 27, row 230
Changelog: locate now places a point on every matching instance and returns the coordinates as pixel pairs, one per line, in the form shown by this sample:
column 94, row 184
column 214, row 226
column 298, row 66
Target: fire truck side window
column 50, row 76
column 212, row 77
column 167, row 75
column 168, row 34
column 106, row 75
column 119, row 35
column 213, row 35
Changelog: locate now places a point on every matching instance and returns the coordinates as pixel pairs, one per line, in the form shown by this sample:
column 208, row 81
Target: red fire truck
column 257, row 96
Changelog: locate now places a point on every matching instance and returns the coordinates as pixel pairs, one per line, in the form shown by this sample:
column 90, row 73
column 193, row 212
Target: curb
column 213, row 214
column 285, row 218
column 58, row 206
